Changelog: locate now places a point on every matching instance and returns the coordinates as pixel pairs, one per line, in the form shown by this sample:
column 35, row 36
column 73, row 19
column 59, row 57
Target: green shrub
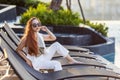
column 101, row 28
column 50, row 17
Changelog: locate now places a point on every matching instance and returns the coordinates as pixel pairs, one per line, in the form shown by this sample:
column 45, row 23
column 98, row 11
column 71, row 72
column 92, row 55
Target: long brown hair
column 31, row 41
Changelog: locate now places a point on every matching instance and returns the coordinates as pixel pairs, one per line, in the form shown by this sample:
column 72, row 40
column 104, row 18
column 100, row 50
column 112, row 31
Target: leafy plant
column 50, row 17
column 102, row 28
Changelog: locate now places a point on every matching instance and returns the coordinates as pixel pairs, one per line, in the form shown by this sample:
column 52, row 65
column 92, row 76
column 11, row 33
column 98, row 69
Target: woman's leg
column 57, row 47
column 71, row 60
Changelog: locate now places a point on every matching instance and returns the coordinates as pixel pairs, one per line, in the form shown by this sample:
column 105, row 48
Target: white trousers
column 44, row 61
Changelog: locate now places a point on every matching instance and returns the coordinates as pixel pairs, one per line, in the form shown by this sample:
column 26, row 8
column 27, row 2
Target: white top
column 41, row 42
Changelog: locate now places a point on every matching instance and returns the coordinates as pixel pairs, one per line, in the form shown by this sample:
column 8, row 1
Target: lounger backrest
column 5, row 37
column 9, row 41
column 11, row 34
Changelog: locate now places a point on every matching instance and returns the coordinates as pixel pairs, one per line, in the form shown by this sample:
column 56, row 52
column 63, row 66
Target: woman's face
column 36, row 25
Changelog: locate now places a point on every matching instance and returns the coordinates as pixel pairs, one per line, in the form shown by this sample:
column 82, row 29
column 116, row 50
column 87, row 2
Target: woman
column 38, row 56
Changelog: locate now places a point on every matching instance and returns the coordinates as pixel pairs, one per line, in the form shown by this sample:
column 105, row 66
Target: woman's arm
column 21, row 53
column 50, row 36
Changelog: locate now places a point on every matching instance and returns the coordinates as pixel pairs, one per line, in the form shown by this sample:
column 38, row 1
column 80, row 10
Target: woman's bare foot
column 72, row 60
column 75, row 62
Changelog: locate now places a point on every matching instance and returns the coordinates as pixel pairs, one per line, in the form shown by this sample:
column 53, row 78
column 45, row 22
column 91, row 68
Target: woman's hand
column 29, row 63
column 50, row 36
column 44, row 28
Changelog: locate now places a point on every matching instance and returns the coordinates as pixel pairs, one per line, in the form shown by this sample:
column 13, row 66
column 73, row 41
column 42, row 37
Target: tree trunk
column 81, row 11
column 55, row 4
column 68, row 3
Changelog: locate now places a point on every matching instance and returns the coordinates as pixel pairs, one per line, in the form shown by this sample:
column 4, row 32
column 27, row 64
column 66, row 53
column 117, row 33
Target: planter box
column 7, row 12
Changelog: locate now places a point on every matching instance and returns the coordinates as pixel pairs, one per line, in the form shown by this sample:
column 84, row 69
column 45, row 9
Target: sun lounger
column 86, row 61
column 28, row 73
